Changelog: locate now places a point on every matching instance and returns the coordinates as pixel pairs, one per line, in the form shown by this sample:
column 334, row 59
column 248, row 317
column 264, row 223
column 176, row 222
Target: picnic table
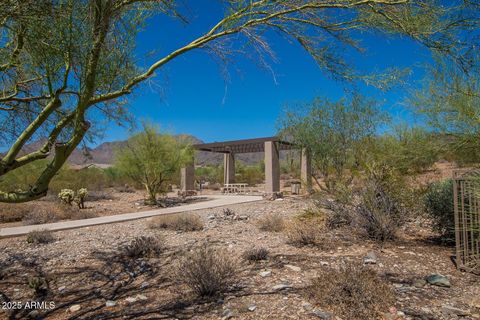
column 235, row 188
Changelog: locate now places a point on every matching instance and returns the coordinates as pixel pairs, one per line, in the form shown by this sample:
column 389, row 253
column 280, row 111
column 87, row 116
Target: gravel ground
column 85, row 281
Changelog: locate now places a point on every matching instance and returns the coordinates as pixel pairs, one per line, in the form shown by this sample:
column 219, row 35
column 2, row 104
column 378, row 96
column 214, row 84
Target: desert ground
column 84, row 277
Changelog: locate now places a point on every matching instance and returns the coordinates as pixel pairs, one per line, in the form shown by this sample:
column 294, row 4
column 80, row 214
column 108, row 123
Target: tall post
column 306, row 170
column 228, row 168
column 187, row 179
column 272, row 168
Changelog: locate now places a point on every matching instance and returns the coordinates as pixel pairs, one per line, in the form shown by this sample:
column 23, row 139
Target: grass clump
column 305, row 233
column 143, row 247
column 208, row 271
column 179, row 222
column 40, row 237
column 353, row 292
column 271, row 223
column 256, row 254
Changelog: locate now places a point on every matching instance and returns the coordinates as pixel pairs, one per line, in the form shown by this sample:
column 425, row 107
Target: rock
column 75, row 308
column 419, row 283
column 293, row 268
column 61, row 288
column 322, row 315
column 280, row 287
column 307, row 305
column 141, row 297
column 110, row 303
column 370, row 258
column 252, row 307
column 455, row 311
column 131, row 299
column 324, row 263
column 241, row 217
column 438, row 280
column 266, row 273
column 228, row 314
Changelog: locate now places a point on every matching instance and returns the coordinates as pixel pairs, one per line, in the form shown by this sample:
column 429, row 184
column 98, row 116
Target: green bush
column 439, row 206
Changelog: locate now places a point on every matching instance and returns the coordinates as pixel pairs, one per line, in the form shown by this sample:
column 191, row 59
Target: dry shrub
column 208, row 271
column 143, row 247
column 256, row 254
column 307, row 233
column 379, row 214
column 178, row 222
column 46, row 212
column 82, row 214
column 40, row 237
column 14, row 212
column 271, row 222
column 353, row 292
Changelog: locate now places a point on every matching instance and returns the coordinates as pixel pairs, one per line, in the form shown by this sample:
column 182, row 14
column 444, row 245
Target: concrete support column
column 272, row 168
column 187, row 180
column 228, row 168
column 306, row 170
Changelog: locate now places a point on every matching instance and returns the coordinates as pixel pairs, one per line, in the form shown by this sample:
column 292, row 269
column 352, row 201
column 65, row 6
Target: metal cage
column 466, row 201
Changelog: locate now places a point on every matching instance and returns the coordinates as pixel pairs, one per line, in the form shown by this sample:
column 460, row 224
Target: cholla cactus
column 66, row 196
column 82, row 193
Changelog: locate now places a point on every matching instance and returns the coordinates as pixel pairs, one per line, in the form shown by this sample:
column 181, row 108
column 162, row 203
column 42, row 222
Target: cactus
column 80, row 196
column 66, row 196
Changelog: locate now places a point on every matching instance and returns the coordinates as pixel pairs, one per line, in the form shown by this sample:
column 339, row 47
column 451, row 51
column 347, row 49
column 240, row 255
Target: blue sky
column 191, row 96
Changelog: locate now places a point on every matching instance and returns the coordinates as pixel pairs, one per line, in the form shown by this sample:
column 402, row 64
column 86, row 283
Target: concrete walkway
column 214, row 201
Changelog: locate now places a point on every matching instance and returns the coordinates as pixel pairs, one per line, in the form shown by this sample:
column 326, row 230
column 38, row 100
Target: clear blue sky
column 191, row 96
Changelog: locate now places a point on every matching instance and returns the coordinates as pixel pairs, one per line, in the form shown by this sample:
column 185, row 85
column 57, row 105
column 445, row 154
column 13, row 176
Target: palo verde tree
column 64, row 63
column 152, row 159
column 335, row 133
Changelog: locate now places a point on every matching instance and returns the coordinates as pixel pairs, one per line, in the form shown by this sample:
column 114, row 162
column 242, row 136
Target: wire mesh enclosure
column 466, row 191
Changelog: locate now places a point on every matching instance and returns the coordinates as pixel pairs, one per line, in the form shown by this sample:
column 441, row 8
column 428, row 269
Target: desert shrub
column 99, row 195
column 40, row 237
column 41, row 215
column 353, row 292
column 14, row 212
column 250, row 174
column 143, row 247
column 304, row 233
column 178, row 222
column 256, row 254
column 82, row 214
column 208, row 271
column 379, row 213
column 45, row 212
column 271, row 222
column 439, row 206
column 39, row 285
column 338, row 215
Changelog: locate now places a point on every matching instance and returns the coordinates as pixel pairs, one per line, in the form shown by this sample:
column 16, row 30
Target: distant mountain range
column 104, row 153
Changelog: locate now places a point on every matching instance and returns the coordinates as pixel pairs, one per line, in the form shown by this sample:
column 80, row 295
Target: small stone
column 141, row 297
column 75, row 308
column 438, row 280
column 131, row 299
column 280, row 287
column 228, row 314
column 307, row 306
column 293, row 268
column 266, row 273
column 110, row 303
column 324, row 263
column 252, row 307
column 456, row 311
column 241, row 217
column 419, row 283
column 370, row 258
column 61, row 288
column 322, row 315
